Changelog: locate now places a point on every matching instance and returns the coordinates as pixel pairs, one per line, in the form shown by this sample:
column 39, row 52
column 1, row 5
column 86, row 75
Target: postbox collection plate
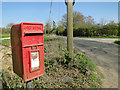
column 34, row 60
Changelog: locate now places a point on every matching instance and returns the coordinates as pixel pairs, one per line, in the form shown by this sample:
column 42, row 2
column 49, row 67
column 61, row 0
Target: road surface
column 104, row 53
column 4, row 38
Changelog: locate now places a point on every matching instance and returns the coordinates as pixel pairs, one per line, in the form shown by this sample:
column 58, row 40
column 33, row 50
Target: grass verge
column 6, row 42
column 5, row 35
column 100, row 36
column 60, row 70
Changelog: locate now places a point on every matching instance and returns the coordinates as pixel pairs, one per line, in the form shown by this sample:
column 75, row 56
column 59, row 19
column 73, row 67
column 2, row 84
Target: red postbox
column 27, row 43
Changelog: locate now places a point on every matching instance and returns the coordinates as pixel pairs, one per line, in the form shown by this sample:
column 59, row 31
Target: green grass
column 4, row 35
column 117, row 42
column 46, row 38
column 60, row 70
column 100, row 36
column 6, row 42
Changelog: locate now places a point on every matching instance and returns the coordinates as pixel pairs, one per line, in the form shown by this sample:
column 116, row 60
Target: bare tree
column 9, row 25
column 103, row 22
column 48, row 26
column 89, row 21
column 78, row 20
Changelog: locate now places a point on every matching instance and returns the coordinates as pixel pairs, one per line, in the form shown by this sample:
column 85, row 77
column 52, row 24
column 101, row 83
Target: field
column 60, row 70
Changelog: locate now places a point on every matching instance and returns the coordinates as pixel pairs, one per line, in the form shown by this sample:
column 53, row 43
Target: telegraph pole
column 70, row 4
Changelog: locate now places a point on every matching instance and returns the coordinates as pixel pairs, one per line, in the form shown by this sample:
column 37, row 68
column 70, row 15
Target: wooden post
column 70, row 27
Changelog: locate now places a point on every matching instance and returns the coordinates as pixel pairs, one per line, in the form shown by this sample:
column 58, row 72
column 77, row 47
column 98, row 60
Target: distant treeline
column 106, row 30
column 5, row 30
column 83, row 26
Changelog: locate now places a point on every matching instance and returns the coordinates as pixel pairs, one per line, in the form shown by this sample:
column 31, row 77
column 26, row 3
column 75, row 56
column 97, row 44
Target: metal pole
column 70, row 27
column 29, row 85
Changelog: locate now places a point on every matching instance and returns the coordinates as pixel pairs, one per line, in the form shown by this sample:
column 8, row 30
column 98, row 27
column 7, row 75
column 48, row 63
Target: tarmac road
column 104, row 53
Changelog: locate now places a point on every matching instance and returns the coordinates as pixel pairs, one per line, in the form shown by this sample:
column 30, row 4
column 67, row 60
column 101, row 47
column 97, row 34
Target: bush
column 117, row 42
column 79, row 61
column 106, row 30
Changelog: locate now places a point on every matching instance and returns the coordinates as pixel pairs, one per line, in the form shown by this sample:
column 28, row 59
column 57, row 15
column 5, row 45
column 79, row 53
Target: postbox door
column 35, row 61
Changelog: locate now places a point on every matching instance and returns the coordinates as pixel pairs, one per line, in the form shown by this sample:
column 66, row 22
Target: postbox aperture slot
column 32, row 34
column 34, row 60
column 35, row 47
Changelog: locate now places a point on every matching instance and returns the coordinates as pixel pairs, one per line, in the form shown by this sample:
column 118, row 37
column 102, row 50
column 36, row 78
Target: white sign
column 35, row 60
